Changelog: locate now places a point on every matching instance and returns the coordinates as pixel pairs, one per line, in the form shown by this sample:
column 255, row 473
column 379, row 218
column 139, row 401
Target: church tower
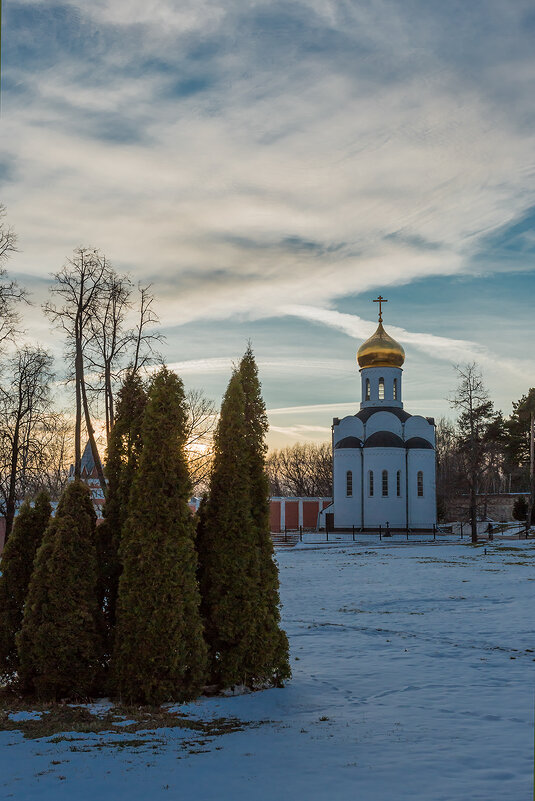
column 383, row 457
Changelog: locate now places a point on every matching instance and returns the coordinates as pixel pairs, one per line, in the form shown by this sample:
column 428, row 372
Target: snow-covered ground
column 413, row 679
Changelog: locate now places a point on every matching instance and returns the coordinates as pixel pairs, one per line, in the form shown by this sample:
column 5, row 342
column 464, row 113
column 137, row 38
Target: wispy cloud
column 260, row 161
column 451, row 350
column 347, row 163
column 313, row 408
column 225, row 364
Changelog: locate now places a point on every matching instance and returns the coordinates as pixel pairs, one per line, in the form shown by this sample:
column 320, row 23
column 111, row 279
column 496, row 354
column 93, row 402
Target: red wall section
column 292, row 514
column 275, row 515
column 310, row 514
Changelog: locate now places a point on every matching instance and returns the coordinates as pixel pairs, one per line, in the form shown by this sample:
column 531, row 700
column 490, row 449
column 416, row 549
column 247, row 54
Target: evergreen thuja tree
column 17, row 565
column 59, row 644
column 271, row 646
column 228, row 552
column 159, row 651
column 124, row 450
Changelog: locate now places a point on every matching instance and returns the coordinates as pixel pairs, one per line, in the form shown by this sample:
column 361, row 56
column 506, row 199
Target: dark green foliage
column 520, row 508
column 159, row 652
column 272, row 643
column 518, row 432
column 238, row 578
column 124, row 451
column 59, row 644
column 17, row 565
column 228, row 557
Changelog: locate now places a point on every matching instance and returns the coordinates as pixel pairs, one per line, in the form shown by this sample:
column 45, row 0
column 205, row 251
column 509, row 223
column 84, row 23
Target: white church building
column 383, row 457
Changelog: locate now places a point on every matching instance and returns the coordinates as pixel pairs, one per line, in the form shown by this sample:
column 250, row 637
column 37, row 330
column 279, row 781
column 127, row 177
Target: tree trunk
column 78, row 419
column 473, row 512
column 108, row 399
column 92, row 441
column 531, row 502
column 11, row 495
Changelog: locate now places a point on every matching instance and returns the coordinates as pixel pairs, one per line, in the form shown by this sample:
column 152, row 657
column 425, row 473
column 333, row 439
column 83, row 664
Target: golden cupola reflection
column 380, row 350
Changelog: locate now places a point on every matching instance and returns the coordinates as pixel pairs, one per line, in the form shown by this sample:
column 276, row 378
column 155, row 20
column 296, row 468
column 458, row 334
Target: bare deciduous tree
column 10, row 292
column 303, row 469
column 144, row 336
column 476, row 414
column 24, row 411
column 109, row 339
column 202, row 418
column 80, row 287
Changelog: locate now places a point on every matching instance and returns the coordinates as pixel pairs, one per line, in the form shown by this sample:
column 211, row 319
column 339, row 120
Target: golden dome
column 380, row 350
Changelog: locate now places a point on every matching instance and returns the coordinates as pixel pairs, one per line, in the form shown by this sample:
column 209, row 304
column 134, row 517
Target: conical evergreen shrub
column 232, row 605
column 17, row 565
column 124, row 451
column 159, row 651
column 271, row 646
column 59, row 644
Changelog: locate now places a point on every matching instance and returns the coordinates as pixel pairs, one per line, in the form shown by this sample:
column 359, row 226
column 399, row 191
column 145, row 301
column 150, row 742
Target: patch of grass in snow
column 58, row 718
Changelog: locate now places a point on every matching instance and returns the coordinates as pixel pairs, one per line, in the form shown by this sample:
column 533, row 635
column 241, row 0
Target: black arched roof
column 349, row 442
column 365, row 414
column 418, row 442
column 384, row 439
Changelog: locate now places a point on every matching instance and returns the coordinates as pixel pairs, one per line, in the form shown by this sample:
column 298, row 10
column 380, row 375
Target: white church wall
column 418, row 426
column 379, row 509
column 384, row 421
column 422, row 510
column 349, row 426
column 389, row 374
column 347, row 509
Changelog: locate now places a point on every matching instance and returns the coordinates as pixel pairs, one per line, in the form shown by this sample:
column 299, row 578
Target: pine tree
column 17, row 565
column 159, row 652
column 124, row 451
column 271, row 644
column 228, row 569
column 59, row 644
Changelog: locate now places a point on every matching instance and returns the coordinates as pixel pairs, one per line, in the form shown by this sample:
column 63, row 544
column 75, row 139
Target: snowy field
column 413, row 679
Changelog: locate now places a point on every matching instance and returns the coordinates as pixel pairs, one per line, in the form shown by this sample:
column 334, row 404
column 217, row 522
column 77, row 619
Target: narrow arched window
column 385, row 483
column 370, row 477
column 349, row 484
column 367, row 396
column 398, row 484
column 381, row 389
column 395, row 389
column 420, row 484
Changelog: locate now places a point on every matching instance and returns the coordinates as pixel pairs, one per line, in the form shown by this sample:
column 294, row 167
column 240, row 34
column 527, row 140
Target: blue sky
column 271, row 167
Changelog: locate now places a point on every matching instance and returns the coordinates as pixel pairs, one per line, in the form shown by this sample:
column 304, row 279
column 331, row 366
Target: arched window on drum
column 381, row 389
column 420, row 484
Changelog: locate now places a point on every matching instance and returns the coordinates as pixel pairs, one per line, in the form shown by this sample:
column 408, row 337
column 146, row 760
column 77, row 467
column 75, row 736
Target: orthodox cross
column 380, row 300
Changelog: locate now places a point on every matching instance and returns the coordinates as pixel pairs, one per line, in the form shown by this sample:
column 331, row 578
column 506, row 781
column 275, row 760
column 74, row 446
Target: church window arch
column 370, row 483
column 398, row 483
column 349, row 484
column 395, row 389
column 381, row 388
column 367, row 396
column 385, row 483
column 420, row 484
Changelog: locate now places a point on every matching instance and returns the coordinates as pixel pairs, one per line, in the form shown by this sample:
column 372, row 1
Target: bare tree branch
column 80, row 287
column 24, row 419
